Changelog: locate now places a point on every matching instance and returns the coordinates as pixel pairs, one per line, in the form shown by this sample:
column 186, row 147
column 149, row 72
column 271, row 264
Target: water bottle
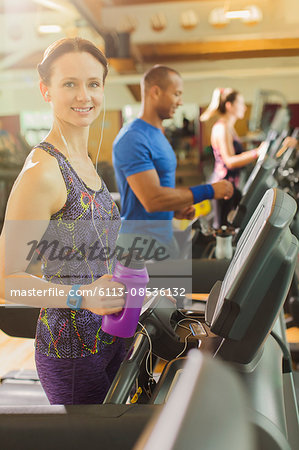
column 135, row 278
column 224, row 248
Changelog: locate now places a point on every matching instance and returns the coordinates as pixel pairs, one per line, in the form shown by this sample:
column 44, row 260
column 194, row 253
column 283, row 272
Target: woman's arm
column 223, row 140
column 38, row 192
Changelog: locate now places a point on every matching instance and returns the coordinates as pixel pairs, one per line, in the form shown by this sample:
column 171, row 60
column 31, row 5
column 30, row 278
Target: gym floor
column 15, row 353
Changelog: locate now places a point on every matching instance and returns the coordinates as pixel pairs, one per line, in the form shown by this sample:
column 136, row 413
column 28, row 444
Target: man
column 145, row 162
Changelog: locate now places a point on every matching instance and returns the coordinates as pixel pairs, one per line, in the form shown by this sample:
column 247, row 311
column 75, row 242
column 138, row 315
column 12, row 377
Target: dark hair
column 158, row 75
column 230, row 97
column 68, row 45
column 217, row 104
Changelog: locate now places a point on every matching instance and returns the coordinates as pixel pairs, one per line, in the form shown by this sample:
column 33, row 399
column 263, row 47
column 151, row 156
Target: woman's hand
column 261, row 148
column 107, row 296
column 289, row 142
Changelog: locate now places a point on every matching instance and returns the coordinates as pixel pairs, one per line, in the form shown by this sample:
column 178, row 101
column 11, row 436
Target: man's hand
column 185, row 213
column 223, row 189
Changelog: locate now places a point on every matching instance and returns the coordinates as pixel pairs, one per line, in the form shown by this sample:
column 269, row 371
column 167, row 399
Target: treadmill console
column 259, row 181
column 257, row 280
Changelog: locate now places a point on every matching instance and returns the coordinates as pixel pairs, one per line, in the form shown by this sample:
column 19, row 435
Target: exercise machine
column 241, row 313
column 243, row 325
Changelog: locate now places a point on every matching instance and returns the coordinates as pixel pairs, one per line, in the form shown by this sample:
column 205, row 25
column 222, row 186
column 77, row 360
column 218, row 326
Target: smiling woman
column 59, row 197
column 77, row 96
column 65, row 85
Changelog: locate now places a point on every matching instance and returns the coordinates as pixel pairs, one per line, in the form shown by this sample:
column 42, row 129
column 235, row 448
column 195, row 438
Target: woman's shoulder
column 41, row 153
column 38, row 189
column 40, row 170
column 41, row 162
column 220, row 125
column 219, row 129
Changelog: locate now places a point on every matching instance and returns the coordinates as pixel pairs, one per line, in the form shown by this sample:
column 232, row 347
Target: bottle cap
column 224, row 231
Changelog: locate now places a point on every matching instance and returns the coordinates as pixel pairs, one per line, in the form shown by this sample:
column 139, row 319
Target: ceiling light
column 189, row 19
column 217, row 18
column 50, row 4
column 128, row 24
column 251, row 15
column 158, row 22
column 49, row 29
column 62, row 6
column 255, row 15
column 242, row 14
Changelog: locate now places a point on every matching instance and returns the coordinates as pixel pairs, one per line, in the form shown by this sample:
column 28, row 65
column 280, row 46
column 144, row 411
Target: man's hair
column 157, row 76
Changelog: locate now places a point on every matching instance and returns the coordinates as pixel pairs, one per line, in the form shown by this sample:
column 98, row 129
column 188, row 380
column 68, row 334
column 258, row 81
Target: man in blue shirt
column 145, row 163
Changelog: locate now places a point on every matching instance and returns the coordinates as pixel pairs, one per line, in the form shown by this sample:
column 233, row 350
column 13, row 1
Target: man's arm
column 154, row 197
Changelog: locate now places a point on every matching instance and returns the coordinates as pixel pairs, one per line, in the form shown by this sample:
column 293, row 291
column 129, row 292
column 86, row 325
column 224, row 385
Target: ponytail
column 217, row 105
column 213, row 106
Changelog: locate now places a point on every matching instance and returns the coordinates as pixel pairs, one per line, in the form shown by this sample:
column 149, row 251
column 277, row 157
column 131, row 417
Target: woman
column 60, row 202
column 228, row 152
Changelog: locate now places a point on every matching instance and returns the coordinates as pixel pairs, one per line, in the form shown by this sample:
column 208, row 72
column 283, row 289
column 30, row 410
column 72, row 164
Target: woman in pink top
column 229, row 154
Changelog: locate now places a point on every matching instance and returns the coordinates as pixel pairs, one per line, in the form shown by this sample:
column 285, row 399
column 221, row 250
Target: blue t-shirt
column 139, row 147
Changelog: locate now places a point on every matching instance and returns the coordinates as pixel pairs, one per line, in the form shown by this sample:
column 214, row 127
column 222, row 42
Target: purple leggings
column 75, row 381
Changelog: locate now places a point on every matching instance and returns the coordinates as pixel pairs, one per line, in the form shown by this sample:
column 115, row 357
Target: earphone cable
column 149, row 357
column 96, row 169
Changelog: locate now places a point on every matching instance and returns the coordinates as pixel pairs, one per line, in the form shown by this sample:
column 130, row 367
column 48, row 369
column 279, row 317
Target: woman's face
column 76, row 88
column 238, row 107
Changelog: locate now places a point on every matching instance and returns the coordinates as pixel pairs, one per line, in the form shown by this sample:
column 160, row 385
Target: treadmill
column 198, row 413
column 260, row 179
column 243, row 313
column 253, row 288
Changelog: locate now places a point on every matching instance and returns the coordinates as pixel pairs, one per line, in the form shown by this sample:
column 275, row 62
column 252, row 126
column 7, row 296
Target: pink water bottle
column 135, row 278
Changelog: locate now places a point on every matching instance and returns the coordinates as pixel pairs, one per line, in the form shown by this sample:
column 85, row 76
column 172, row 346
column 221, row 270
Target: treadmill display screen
column 249, row 236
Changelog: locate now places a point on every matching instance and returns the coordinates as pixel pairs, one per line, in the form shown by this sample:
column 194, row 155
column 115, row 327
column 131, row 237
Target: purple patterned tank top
column 76, row 248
